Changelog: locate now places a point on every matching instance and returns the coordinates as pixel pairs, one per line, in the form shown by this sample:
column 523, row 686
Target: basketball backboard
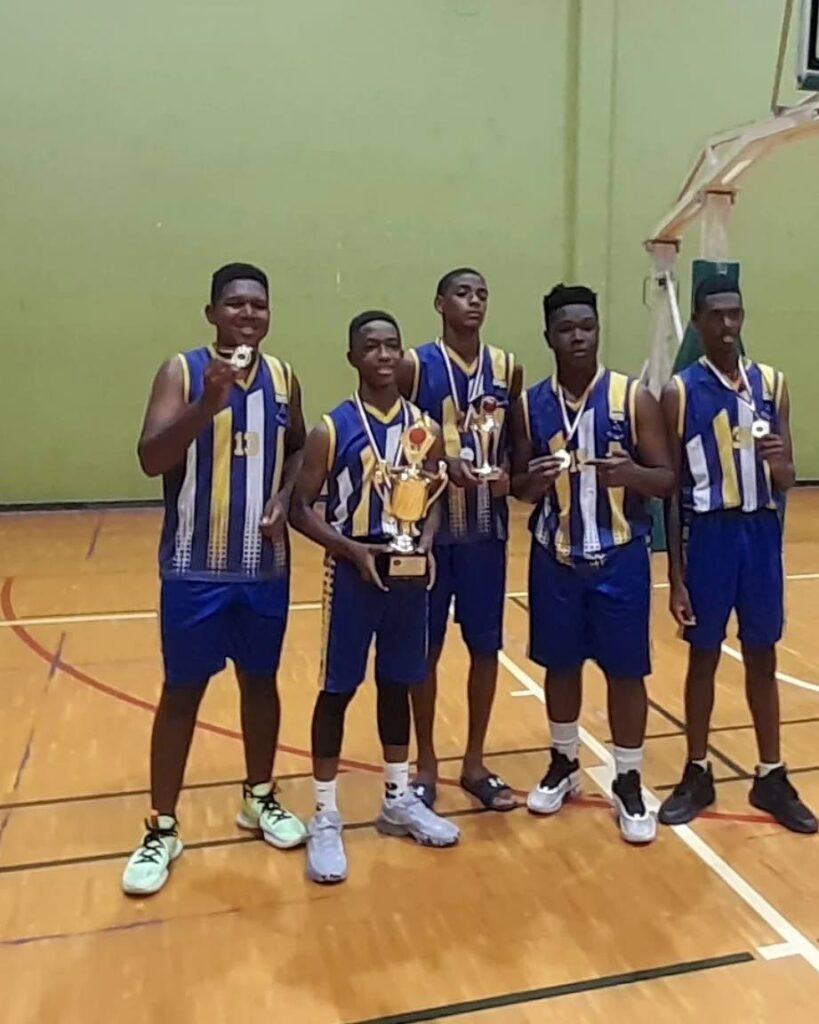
column 807, row 69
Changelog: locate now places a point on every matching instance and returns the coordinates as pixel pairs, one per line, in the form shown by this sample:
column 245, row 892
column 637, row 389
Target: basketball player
column 356, row 438
column 226, row 439
column 448, row 378
column 589, row 449
column 729, row 420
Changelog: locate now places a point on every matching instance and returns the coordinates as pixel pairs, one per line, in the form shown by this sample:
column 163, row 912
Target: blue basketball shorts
column 354, row 613
column 474, row 575
column 205, row 623
column 598, row 611
column 734, row 563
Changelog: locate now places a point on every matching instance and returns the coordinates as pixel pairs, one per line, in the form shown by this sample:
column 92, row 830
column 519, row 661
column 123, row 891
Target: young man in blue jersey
column 729, row 419
column 224, row 429
column 448, row 379
column 351, row 451
column 589, row 450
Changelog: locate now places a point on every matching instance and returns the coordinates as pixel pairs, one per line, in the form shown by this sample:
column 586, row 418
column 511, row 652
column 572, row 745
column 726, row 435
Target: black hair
column 714, row 284
column 568, row 295
column 368, row 317
column 444, row 284
column 235, row 272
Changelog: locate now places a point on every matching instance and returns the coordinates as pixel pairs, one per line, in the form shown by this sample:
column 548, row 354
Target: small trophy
column 487, row 423
column 408, row 491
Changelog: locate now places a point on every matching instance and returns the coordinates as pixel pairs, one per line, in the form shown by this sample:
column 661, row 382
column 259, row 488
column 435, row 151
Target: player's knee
column 181, row 701
column 393, row 714
column 328, row 723
column 257, row 685
column 760, row 665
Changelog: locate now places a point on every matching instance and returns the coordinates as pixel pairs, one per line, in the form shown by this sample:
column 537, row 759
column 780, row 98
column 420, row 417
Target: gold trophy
column 408, row 491
column 487, row 424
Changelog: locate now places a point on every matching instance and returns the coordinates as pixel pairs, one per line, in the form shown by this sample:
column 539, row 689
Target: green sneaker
column 262, row 812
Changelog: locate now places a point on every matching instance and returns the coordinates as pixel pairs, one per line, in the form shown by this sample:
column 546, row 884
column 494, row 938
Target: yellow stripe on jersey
column 331, row 450
column 681, row 410
column 768, row 379
column 510, row 371
column 499, row 366
column 779, row 391
column 220, row 489
column 563, row 490
column 449, row 428
column 361, row 514
column 725, row 449
column 326, row 615
column 186, row 378
column 412, row 355
column 621, row 393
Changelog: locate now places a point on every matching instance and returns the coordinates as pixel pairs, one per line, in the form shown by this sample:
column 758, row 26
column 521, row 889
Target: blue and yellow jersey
column 579, row 519
column 720, row 468
column 354, row 507
column 468, row 515
column 215, row 501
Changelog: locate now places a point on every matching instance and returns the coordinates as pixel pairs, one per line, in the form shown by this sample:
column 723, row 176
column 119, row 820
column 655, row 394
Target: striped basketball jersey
column 720, row 467
column 578, row 518
column 215, row 501
column 354, row 506
column 475, row 514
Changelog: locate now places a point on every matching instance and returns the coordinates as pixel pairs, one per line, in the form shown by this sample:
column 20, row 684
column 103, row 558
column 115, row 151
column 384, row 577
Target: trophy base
column 488, row 476
column 403, row 570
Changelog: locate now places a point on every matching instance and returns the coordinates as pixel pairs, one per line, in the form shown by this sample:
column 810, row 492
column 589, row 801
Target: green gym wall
column 357, row 149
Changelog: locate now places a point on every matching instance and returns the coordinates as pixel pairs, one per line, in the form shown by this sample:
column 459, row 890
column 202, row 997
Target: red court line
column 21, row 633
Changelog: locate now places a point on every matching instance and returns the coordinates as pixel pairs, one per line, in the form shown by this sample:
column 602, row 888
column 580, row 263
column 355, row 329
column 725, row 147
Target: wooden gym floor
column 527, row 920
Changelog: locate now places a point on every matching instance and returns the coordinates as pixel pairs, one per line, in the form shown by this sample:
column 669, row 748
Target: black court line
column 534, row 995
column 715, row 752
column 218, row 784
column 744, row 778
column 203, row 844
column 729, row 728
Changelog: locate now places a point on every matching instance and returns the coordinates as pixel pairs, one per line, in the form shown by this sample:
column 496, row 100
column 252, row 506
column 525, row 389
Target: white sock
column 565, row 738
column 628, row 759
column 763, row 768
column 701, row 764
column 166, row 821
column 396, row 780
column 325, row 795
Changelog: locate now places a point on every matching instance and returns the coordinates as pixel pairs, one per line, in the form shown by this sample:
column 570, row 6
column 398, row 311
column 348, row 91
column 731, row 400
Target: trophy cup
column 487, row 424
column 408, row 491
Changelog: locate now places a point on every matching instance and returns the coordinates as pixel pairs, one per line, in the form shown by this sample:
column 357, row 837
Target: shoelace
column 630, row 793
column 271, row 806
column 559, row 769
column 153, row 847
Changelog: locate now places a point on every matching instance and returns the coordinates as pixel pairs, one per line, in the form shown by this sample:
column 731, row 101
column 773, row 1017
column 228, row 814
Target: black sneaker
column 775, row 794
column 561, row 781
column 692, row 794
column 636, row 824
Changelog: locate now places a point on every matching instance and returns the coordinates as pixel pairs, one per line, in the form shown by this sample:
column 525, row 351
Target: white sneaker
column 148, row 868
column 326, row 859
column 560, row 783
column 637, row 825
column 409, row 816
column 262, row 812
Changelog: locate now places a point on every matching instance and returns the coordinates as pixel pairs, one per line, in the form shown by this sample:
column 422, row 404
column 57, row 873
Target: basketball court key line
column 603, row 774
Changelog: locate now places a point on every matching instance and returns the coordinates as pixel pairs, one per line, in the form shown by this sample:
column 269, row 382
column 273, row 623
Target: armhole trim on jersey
column 524, row 408
column 779, row 390
column 633, row 388
column 186, row 378
column 510, row 372
column 680, row 385
column 281, row 381
column 500, row 365
column 331, row 448
column 412, row 355
column 288, row 375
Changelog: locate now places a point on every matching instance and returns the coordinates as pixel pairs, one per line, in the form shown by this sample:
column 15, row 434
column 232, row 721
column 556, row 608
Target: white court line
column 783, row 677
column 602, row 775
column 313, row 606
column 664, row 586
column 62, row 620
